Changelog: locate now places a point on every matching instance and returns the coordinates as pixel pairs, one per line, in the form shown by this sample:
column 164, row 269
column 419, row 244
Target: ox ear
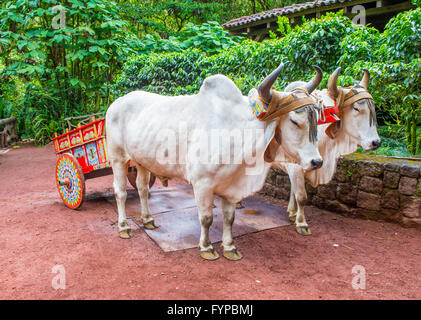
column 270, row 152
column 333, row 129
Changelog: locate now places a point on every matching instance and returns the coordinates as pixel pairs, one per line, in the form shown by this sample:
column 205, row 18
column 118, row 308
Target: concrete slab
column 175, row 211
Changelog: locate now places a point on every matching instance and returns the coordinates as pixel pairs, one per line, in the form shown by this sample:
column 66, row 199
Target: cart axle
column 64, row 182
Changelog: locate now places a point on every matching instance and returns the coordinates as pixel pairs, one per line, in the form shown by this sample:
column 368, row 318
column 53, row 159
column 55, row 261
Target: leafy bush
column 329, row 42
column 398, row 73
column 401, row 39
column 69, row 70
column 209, row 37
column 393, row 142
column 247, row 63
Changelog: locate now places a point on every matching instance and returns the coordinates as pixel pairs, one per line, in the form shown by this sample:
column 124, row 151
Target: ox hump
column 294, row 85
column 222, row 87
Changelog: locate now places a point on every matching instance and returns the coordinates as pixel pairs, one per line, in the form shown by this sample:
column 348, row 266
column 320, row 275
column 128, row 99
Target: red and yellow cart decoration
column 82, row 154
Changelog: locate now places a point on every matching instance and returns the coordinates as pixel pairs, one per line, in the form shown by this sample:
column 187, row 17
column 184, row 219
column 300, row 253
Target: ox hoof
column 304, row 231
column 239, row 205
column 292, row 218
column 125, row 234
column 233, row 255
column 150, row 225
column 210, row 254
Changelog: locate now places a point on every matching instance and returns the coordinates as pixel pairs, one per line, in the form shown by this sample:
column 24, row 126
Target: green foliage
column 247, row 63
column 393, row 142
column 47, row 74
column 316, row 42
column 284, row 27
column 401, row 39
column 209, row 37
column 69, row 70
column 329, row 42
column 168, row 17
column 358, row 46
column 398, row 70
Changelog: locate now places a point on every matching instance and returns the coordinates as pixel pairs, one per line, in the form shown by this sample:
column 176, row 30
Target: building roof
column 280, row 12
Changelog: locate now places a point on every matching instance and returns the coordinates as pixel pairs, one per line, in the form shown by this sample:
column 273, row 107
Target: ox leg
column 120, row 185
column 298, row 198
column 142, row 184
column 298, row 190
column 204, row 200
column 292, row 206
column 300, row 223
column 228, row 211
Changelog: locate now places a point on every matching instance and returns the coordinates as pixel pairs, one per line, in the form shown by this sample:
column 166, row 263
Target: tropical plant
column 209, row 37
column 71, row 66
column 329, row 42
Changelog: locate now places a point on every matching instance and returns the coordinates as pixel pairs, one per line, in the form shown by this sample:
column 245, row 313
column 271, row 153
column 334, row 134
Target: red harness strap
column 330, row 114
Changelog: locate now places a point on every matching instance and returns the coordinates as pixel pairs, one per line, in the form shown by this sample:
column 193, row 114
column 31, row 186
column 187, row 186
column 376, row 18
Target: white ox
column 143, row 127
column 357, row 127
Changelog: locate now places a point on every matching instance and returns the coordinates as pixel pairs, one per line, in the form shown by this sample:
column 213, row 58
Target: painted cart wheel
column 131, row 176
column 70, row 181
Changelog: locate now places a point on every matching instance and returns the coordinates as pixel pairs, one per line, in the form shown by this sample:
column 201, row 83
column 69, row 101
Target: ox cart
column 82, row 155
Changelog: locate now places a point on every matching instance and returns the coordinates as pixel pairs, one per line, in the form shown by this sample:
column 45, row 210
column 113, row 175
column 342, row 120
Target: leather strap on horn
column 355, row 94
column 344, row 100
column 282, row 105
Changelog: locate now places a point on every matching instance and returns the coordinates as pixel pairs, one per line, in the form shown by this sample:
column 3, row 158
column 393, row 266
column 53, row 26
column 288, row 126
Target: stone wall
column 373, row 187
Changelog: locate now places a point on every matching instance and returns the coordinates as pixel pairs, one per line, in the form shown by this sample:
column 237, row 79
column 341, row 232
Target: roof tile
column 279, row 12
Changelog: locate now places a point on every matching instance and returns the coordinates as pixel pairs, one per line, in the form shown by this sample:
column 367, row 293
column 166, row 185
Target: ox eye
column 356, row 109
column 294, row 122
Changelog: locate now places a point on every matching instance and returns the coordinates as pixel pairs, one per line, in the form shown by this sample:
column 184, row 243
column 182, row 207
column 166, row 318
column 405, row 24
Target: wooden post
column 68, row 139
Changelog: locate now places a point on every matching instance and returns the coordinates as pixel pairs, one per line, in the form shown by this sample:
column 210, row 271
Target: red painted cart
column 82, row 155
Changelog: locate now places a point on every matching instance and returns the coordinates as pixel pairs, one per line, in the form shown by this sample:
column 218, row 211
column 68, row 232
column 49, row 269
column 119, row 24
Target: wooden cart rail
column 81, row 120
column 8, row 131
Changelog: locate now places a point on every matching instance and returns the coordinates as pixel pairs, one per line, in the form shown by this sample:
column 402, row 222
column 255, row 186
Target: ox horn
column 314, row 83
column 333, row 82
column 265, row 88
column 366, row 79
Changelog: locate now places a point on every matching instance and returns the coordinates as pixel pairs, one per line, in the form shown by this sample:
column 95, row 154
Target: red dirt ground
column 38, row 232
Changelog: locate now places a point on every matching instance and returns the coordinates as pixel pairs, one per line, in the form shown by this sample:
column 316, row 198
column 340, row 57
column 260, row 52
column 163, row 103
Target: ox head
column 357, row 112
column 296, row 131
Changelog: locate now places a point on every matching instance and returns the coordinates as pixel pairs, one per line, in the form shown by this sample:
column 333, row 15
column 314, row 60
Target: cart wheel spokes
column 70, row 181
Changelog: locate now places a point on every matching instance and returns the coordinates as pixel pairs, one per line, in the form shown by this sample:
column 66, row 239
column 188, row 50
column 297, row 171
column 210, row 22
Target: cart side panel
column 92, row 154
column 63, row 143
column 88, row 133
column 101, row 151
column 100, row 128
column 80, row 155
column 75, row 138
